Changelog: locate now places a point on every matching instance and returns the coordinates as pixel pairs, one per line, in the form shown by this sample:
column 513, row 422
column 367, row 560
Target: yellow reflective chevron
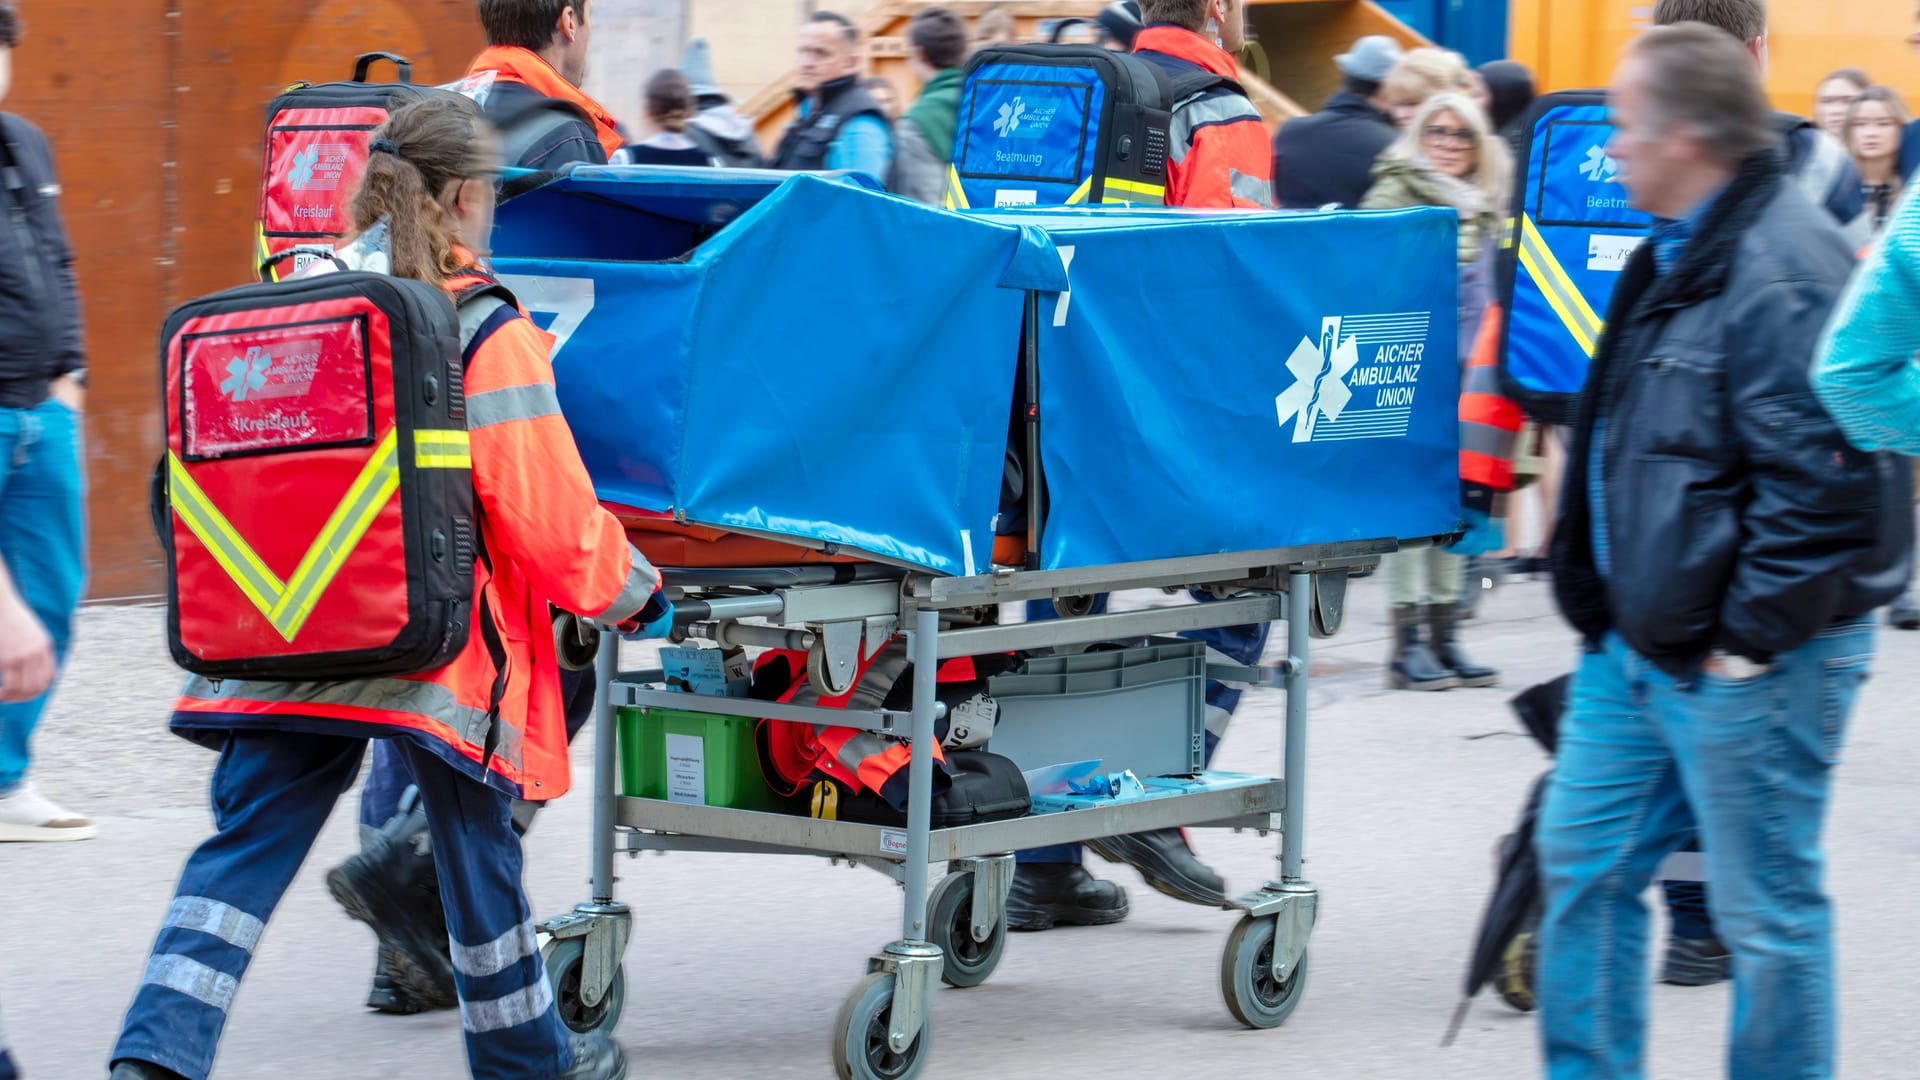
column 956, row 195
column 266, row 252
column 350, row 520
column 1558, row 288
column 199, row 514
column 442, row 450
column 1080, row 193
column 287, row 605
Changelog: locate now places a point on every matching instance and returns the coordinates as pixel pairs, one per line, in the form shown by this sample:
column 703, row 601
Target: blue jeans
column 43, row 538
column 1243, row 644
column 1645, row 760
column 272, row 793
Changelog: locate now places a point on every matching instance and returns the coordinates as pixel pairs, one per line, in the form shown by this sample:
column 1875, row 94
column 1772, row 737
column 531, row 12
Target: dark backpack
column 316, row 151
column 1046, row 125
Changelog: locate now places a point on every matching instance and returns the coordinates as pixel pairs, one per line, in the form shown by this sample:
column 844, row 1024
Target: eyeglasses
column 1443, row 136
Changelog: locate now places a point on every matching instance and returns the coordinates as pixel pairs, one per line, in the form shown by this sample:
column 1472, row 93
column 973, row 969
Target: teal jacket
column 1865, row 370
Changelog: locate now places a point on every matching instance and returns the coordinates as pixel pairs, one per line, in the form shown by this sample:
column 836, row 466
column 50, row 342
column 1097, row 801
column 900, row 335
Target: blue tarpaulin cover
column 1215, row 382
column 833, row 365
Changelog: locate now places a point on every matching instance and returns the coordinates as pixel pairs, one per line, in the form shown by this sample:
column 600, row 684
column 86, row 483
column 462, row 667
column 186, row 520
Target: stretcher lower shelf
column 1250, row 806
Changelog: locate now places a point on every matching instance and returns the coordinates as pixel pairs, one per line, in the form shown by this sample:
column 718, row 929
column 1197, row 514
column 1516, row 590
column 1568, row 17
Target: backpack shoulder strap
column 1191, row 84
column 477, row 304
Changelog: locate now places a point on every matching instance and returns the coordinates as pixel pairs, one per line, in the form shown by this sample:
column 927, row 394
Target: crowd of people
column 1729, row 526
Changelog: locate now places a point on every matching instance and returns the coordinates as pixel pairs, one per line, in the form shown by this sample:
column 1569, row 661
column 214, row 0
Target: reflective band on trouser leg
column 1557, row 286
column 506, row 1005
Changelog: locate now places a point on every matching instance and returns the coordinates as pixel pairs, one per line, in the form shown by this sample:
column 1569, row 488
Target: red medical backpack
column 316, row 151
column 316, row 498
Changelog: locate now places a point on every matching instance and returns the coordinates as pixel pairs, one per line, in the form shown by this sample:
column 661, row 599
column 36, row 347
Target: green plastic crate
column 713, row 758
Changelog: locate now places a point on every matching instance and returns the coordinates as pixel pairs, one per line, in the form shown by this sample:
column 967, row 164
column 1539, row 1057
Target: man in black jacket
column 1721, row 551
column 1327, row 158
column 42, row 530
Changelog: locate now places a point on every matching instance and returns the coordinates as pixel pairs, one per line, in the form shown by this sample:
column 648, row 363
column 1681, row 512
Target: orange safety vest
column 494, row 712
column 1489, row 421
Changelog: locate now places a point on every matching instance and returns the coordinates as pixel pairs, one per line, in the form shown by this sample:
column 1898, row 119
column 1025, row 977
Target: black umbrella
column 1515, row 905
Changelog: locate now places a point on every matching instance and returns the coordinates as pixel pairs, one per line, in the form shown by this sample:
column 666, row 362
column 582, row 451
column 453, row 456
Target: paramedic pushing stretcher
column 289, row 750
column 1218, row 157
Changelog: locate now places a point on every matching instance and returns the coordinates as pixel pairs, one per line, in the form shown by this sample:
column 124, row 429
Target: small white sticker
column 687, row 769
column 966, row 551
column 1003, row 197
column 892, row 842
column 1610, row 253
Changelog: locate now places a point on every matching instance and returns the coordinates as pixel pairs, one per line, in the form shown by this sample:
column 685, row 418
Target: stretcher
column 824, row 476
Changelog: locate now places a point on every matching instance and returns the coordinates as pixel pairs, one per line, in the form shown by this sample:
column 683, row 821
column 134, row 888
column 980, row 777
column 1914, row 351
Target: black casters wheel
column 1254, row 996
column 566, row 964
column 950, row 927
column 1073, row 607
column 860, row 1048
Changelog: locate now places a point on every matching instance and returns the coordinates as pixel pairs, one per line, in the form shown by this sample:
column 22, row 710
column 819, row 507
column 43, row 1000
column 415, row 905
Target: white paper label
column 1609, row 253
column 687, row 769
column 1004, row 197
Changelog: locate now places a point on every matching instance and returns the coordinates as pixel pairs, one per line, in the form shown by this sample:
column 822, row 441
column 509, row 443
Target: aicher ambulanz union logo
column 1600, row 167
column 1340, row 392
column 303, row 165
column 1011, row 113
column 247, row 374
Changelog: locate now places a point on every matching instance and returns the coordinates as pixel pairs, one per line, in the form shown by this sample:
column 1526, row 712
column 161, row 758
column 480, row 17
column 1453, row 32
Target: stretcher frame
column 839, row 615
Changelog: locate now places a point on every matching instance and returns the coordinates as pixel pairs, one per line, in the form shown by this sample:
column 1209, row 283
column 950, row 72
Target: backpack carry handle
column 366, row 62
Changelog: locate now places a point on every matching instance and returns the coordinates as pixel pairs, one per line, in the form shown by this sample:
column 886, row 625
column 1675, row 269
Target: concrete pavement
column 738, row 963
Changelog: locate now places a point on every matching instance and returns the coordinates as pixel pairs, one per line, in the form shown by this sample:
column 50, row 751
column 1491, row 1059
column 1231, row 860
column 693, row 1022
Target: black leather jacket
column 39, row 304
column 1737, row 515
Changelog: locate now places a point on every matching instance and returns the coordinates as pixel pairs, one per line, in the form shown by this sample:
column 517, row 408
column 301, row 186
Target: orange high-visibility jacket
column 495, row 712
column 1220, row 155
column 1489, row 421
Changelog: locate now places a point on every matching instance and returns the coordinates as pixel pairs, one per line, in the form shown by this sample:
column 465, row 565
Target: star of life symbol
column 1600, row 167
column 247, row 373
column 303, row 163
column 1011, row 113
column 1319, row 389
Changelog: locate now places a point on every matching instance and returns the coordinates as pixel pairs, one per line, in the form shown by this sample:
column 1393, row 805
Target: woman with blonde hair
column 1447, row 156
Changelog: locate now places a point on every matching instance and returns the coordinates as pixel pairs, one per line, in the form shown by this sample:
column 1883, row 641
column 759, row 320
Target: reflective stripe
column 1131, row 191
column 205, row 521
column 1486, row 439
column 409, row 696
column 1251, row 188
column 350, row 520
column 442, row 450
column 956, row 194
column 188, row 976
column 1080, row 193
column 519, row 1007
column 496, row 956
column 474, row 315
column 1560, row 291
column 642, row 581
column 509, row 403
column 224, row 921
column 1199, row 112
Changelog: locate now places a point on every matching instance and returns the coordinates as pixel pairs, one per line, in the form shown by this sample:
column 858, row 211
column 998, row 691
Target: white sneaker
column 27, row 816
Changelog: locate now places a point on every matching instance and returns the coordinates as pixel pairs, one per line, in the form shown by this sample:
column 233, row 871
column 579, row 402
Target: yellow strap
column 826, row 801
column 442, row 450
column 198, row 513
column 350, row 520
column 1080, row 193
column 956, row 195
column 260, row 231
column 1557, row 286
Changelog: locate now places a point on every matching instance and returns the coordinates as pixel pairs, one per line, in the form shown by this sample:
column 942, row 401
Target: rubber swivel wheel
column 566, row 964
column 860, row 1050
column 1073, row 607
column 950, row 926
column 1254, row 996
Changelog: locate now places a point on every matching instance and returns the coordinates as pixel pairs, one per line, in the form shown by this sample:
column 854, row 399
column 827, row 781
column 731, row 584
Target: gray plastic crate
column 1142, row 709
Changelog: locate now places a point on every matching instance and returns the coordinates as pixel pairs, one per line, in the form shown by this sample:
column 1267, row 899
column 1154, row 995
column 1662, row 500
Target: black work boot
column 596, row 1057
column 130, row 1069
column 1696, row 962
column 386, row 996
column 1047, row 894
column 1412, row 665
column 392, row 887
column 1168, row 863
column 1442, row 622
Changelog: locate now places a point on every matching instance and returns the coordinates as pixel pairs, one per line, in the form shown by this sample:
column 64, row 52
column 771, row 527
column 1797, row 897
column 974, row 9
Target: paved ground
column 738, row 964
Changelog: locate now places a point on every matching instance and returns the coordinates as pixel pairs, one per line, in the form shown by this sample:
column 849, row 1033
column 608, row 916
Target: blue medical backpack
column 1571, row 234
column 1046, row 125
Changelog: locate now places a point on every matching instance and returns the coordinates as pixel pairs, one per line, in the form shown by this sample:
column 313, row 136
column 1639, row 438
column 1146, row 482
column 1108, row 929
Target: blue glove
column 1484, row 534
column 653, row 621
